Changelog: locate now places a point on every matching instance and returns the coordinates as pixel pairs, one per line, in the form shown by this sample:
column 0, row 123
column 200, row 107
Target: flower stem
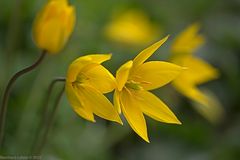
column 49, row 122
column 6, row 93
column 45, row 110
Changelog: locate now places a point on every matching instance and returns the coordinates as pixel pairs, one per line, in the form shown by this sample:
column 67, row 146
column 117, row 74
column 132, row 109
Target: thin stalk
column 6, row 93
column 45, row 110
column 49, row 122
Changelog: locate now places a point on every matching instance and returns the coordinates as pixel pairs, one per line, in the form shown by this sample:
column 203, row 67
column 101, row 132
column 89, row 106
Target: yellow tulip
column 132, row 97
column 132, row 27
column 53, row 25
column 198, row 71
column 86, row 82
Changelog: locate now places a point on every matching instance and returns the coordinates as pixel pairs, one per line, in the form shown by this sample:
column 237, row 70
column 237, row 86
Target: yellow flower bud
column 53, row 25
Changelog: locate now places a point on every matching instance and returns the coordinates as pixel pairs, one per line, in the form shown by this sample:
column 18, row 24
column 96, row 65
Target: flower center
column 81, row 78
column 133, row 85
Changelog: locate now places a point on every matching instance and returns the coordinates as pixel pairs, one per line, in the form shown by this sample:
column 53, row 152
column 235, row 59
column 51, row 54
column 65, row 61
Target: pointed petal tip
column 166, row 38
column 92, row 120
column 119, row 121
column 146, row 139
column 176, row 121
column 179, row 123
column 162, row 41
column 109, row 55
column 129, row 64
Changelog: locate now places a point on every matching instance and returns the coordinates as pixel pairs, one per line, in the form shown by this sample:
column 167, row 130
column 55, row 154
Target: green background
column 72, row 137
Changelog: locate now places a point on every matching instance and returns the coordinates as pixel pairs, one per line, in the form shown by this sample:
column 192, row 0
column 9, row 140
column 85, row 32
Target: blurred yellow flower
column 132, row 27
column 198, row 71
column 134, row 79
column 53, row 25
column 86, row 82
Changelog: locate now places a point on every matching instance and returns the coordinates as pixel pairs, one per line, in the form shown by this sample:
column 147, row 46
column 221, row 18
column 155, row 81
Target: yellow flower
column 53, row 25
column 198, row 71
column 86, row 82
column 132, row 97
column 133, row 27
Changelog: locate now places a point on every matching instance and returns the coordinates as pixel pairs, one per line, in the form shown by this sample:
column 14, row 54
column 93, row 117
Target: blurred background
column 72, row 137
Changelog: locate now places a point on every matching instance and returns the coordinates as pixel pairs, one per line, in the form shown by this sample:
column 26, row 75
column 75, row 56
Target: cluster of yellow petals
column 53, row 25
column 198, row 72
column 134, row 80
column 87, row 81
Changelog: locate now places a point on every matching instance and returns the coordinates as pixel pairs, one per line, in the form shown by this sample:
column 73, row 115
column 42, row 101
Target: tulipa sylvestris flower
column 198, row 71
column 132, row 97
column 132, row 27
column 86, row 82
column 53, row 25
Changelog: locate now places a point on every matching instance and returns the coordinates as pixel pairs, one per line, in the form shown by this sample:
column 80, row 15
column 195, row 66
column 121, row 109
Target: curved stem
column 49, row 123
column 50, row 88
column 6, row 93
column 45, row 109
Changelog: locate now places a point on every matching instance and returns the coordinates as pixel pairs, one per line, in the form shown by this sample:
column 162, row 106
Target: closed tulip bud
column 53, row 25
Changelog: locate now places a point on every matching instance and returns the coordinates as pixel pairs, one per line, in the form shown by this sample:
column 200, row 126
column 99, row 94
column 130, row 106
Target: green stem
column 48, row 124
column 45, row 110
column 6, row 93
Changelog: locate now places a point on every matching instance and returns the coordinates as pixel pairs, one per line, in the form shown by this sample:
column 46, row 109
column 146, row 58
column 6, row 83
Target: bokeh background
column 72, row 137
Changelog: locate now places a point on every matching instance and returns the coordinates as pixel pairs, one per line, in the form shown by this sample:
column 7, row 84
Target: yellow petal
column 116, row 101
column 154, row 74
column 203, row 101
column 70, row 20
column 198, row 71
column 60, row 1
column 83, row 63
column 122, row 74
column 190, row 91
column 75, row 102
column 100, row 78
column 84, row 113
column 133, row 114
column 93, row 58
column 188, row 41
column 154, row 107
column 98, row 103
column 51, row 37
column 213, row 112
column 146, row 53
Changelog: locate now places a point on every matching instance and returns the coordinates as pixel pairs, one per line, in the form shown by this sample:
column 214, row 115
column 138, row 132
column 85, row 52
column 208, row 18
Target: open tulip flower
column 86, row 82
column 198, row 71
column 134, row 80
column 53, row 25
